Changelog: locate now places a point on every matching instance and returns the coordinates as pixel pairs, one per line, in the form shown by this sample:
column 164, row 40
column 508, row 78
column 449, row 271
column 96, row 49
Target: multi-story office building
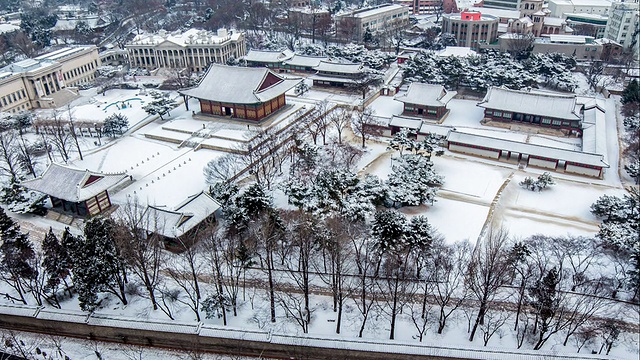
column 195, row 49
column 623, row 25
column 421, row 6
column 42, row 82
column 471, row 28
column 378, row 19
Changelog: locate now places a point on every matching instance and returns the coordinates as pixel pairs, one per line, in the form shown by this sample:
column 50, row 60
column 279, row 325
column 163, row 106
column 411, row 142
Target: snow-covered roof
column 174, row 223
column 529, row 149
column 187, row 38
column 569, row 39
column 606, row 41
column 304, row 60
column 264, row 56
column 459, row 51
column 379, row 10
column 405, row 122
column 7, row 28
column 426, row 94
column 553, row 21
column 64, row 52
column 72, row 184
column 594, row 129
column 240, row 85
column 427, row 128
column 551, row 105
column 70, row 24
column 342, row 68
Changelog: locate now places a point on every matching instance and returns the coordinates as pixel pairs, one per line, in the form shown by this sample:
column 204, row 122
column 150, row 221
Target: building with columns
column 44, row 81
column 196, row 49
column 471, row 28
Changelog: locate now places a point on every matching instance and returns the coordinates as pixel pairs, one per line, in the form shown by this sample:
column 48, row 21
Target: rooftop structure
column 270, row 59
column 81, row 191
column 426, row 100
column 558, row 8
column 336, row 74
column 554, row 111
column 181, row 220
column 246, row 93
column 302, row 63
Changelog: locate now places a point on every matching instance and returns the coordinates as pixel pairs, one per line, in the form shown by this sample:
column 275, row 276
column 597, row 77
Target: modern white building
column 623, row 25
column 377, row 19
column 43, row 82
column 560, row 7
column 194, row 48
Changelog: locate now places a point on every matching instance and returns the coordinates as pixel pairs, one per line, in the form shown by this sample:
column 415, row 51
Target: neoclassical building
column 241, row 92
column 196, row 49
column 42, row 82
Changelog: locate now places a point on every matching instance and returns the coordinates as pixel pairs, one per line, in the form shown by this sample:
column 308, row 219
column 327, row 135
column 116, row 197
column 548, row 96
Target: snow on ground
column 464, row 113
column 496, row 133
column 386, row 107
column 559, row 210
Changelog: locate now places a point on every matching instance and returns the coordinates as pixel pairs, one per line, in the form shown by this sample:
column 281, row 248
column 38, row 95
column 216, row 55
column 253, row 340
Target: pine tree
column 545, row 302
column 54, row 263
column 17, row 263
column 389, row 228
column 160, row 105
column 631, row 93
column 115, row 125
column 98, row 266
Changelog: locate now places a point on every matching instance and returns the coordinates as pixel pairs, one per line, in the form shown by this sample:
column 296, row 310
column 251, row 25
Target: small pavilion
column 426, row 100
column 84, row 192
column 241, row 92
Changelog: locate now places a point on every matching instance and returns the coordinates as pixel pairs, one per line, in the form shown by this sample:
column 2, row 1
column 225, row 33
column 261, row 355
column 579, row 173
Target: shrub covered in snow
column 545, row 180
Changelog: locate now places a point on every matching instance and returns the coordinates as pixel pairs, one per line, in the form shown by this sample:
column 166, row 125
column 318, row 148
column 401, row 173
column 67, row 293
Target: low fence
column 244, row 342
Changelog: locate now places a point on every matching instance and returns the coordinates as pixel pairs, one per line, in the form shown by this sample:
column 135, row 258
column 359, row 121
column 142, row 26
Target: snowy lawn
column 386, row 106
column 464, row 113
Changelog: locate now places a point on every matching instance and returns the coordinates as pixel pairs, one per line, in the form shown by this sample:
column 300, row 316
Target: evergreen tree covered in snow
column 545, row 180
column 413, row 181
column 161, row 104
column 17, row 262
column 492, row 68
column 20, row 200
column 631, row 93
column 620, row 229
column 55, row 263
column 97, row 264
column 404, row 140
column 115, row 125
column 389, row 228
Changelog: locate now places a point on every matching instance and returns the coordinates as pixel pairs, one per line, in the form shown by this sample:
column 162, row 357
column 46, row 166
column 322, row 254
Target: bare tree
column 9, row 155
column 488, row 271
column 55, row 129
column 493, row 324
column 340, row 118
column 365, row 125
column 73, row 133
column 367, row 260
column 138, row 237
column 447, row 275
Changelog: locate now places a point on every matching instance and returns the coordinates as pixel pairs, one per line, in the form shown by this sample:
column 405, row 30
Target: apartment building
column 623, row 25
column 194, row 48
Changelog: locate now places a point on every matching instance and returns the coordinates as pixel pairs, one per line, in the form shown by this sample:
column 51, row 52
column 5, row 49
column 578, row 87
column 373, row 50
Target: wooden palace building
column 83, row 192
column 556, row 111
column 241, row 92
column 426, row 100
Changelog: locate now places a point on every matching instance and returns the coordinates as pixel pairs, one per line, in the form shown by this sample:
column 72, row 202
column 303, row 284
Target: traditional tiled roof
column 263, row 56
column 404, row 122
column 525, row 148
column 342, row 68
column 71, row 184
column 426, row 95
column 174, row 223
column 551, row 105
column 240, row 85
column 303, row 60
